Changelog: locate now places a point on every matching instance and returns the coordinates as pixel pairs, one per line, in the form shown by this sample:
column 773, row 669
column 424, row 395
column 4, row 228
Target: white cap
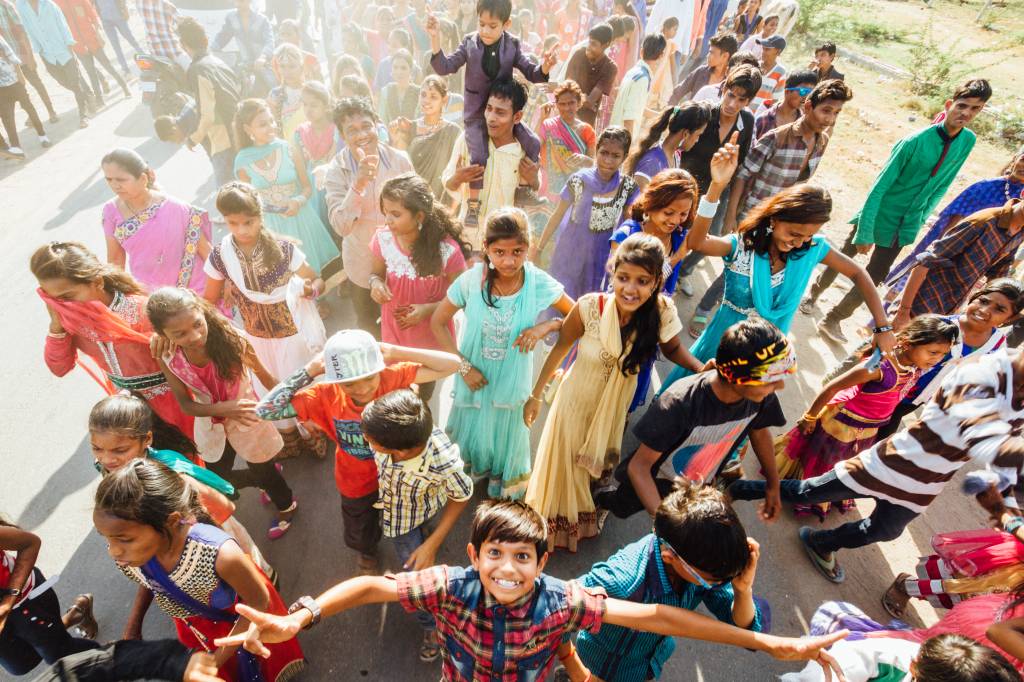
column 350, row 355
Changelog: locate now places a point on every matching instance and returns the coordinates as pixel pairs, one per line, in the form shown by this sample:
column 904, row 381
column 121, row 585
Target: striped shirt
column 159, row 18
column 776, row 161
column 484, row 641
column 414, row 490
column 972, row 418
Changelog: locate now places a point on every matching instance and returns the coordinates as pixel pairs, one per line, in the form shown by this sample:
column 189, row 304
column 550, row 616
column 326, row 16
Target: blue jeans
column 112, row 28
column 405, row 545
column 886, row 522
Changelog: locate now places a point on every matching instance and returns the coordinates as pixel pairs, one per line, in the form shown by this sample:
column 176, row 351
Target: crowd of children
column 420, row 189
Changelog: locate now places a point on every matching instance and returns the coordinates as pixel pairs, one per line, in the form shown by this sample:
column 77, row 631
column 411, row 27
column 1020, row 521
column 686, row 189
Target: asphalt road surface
column 48, row 479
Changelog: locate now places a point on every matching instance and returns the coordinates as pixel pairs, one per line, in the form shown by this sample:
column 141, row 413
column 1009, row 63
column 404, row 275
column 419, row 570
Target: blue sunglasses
column 804, row 91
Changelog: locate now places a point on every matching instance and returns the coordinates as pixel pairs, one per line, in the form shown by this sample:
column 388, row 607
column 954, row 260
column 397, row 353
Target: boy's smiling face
column 507, row 569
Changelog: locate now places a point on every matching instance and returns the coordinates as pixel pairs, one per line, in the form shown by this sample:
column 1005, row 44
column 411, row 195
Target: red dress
column 117, row 339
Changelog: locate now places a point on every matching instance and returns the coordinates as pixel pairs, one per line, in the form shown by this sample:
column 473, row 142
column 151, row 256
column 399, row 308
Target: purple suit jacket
column 470, row 53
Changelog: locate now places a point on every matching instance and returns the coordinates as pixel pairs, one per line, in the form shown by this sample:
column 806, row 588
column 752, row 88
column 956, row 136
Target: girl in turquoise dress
column 769, row 261
column 502, row 298
column 278, row 172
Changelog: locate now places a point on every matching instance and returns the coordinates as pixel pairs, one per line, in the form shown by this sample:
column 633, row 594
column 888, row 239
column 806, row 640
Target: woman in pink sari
column 160, row 240
column 100, row 310
column 567, row 143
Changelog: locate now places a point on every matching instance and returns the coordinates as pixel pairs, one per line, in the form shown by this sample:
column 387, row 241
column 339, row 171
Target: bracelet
column 1015, row 523
column 572, row 652
column 533, row 397
column 883, row 329
column 707, row 209
column 374, row 278
column 300, row 199
column 316, row 290
column 57, row 335
column 465, row 367
column 808, row 417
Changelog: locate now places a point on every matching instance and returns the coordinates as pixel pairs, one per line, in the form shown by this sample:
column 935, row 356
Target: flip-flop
column 830, row 569
column 697, row 325
column 87, row 627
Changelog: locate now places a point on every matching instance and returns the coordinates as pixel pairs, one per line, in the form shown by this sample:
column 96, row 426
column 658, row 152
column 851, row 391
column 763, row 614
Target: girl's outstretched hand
column 725, row 161
column 264, row 628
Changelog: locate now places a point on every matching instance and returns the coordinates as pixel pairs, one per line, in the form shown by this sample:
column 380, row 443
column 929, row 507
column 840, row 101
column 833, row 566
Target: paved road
column 48, row 479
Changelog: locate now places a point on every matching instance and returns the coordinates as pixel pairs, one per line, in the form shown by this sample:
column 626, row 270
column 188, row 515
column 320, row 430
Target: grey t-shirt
column 695, row 431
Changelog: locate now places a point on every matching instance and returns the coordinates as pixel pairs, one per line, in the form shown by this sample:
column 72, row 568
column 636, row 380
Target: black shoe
column 472, row 219
column 527, row 197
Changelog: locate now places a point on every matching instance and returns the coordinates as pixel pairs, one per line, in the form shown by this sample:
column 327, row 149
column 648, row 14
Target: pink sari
column 162, row 243
column 559, row 144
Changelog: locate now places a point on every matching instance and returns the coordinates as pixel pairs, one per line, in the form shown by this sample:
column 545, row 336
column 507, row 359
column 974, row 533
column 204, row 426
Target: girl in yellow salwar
column 617, row 333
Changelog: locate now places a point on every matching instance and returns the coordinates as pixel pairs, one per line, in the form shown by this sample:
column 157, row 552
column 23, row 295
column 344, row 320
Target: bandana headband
column 767, row 365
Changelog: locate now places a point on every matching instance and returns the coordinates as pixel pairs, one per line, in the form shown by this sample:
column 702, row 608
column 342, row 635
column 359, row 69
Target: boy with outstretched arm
column 357, row 369
column 503, row 619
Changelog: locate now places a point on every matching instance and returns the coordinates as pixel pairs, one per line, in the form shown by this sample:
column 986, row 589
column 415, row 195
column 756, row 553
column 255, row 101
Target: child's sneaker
column 284, row 521
column 430, row 648
column 13, row 153
column 472, row 219
column 264, row 498
column 45, row 141
column 526, row 197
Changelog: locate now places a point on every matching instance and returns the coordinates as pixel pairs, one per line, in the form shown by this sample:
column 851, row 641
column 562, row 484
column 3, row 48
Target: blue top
column 48, row 31
column 651, row 163
column 671, row 276
column 637, row 573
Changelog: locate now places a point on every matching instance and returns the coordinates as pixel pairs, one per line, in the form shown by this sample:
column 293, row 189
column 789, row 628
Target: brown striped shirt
column 972, row 417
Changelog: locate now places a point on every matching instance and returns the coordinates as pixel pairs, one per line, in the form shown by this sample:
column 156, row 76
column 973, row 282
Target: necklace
column 900, row 368
column 145, row 205
column 515, row 288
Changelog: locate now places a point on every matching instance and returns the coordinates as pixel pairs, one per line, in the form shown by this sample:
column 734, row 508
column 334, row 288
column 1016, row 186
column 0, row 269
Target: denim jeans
column 886, row 522
column 112, row 28
column 405, row 545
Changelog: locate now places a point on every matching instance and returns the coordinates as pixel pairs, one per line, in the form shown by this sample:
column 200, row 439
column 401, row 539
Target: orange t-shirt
column 330, row 408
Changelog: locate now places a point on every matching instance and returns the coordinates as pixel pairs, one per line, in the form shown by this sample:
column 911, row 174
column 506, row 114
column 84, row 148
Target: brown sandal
column 80, row 616
column 895, row 599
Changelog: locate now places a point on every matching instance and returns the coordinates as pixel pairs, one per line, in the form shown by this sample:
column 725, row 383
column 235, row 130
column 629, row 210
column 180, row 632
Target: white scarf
column 303, row 310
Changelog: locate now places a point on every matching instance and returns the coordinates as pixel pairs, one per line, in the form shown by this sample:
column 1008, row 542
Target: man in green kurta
column 920, row 169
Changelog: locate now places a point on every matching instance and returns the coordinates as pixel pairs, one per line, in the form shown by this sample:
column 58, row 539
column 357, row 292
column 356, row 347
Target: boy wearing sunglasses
column 699, row 553
column 772, row 115
column 789, row 154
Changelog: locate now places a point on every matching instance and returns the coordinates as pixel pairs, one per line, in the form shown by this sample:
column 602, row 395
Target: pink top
column 971, row 618
column 876, row 400
column 162, row 243
column 407, row 287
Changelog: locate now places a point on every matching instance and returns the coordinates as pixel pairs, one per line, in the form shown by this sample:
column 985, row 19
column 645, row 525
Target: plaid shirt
column 484, row 641
column 160, row 17
column 980, row 246
column 767, row 119
column 414, row 490
column 775, row 161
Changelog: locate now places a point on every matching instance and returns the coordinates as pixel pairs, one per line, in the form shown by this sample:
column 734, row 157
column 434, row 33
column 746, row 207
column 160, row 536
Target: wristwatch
column 310, row 605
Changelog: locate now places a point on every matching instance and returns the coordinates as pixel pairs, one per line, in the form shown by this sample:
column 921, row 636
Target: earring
column 490, row 265
column 771, row 228
column 419, row 227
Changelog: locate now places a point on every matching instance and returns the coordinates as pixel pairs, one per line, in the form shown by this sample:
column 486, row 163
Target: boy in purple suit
column 489, row 54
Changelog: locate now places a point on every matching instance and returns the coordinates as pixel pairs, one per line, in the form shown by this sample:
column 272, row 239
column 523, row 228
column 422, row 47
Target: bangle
column 316, row 289
column 465, row 367
column 706, row 208
column 374, row 278
column 572, row 652
column 57, row 335
column 883, row 329
column 533, row 397
column 808, row 417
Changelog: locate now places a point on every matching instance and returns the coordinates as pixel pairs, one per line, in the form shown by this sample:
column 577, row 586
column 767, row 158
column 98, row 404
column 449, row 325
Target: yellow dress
column 583, row 432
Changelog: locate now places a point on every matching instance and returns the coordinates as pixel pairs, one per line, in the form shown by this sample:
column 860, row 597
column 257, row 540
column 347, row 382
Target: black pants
column 882, row 258
column 263, row 475
column 361, row 521
column 894, row 423
column 624, row 502
column 128, row 659
column 9, row 96
column 886, row 522
column 89, row 60
column 32, row 76
column 366, row 309
column 69, row 76
column 39, row 635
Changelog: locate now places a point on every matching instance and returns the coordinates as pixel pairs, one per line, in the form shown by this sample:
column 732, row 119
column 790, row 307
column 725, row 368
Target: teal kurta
column 906, row 192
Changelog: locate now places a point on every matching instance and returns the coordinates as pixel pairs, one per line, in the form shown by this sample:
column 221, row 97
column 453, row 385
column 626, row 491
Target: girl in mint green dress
column 498, row 335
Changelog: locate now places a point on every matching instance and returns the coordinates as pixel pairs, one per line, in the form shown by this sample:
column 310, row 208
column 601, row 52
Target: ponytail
column 689, row 116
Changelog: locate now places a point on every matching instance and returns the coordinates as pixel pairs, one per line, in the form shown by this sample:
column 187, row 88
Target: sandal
column 83, row 619
column 283, row 522
column 697, row 325
column 896, row 599
column 430, row 648
column 829, row 568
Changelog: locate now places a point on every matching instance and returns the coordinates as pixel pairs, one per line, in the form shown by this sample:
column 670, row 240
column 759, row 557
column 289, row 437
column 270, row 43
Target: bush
column 933, row 65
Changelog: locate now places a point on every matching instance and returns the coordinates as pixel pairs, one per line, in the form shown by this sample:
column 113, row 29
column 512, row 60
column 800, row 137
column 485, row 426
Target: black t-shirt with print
column 695, row 431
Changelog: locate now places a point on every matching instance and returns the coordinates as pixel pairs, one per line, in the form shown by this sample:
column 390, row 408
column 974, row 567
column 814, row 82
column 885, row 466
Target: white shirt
column 501, row 177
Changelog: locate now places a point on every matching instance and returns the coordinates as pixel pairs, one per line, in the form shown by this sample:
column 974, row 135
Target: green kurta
column 905, row 192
